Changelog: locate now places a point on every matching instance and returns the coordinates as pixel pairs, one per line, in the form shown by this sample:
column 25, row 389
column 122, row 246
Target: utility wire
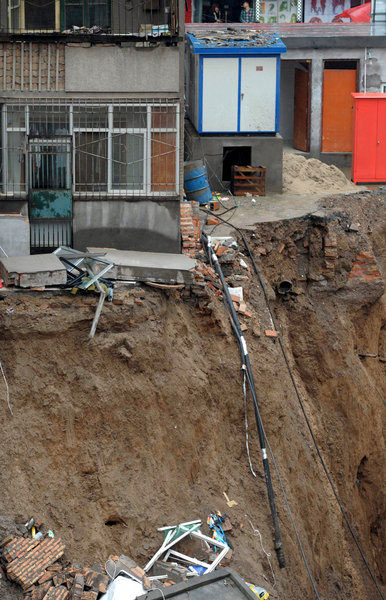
column 248, row 375
column 290, row 372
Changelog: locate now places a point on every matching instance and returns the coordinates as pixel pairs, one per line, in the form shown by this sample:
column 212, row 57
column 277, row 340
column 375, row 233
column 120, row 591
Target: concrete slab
column 35, row 270
column 148, row 266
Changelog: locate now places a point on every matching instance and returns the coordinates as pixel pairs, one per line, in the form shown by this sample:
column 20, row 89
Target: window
column 94, row 149
column 85, row 13
column 383, row 88
column 57, row 15
column 34, row 15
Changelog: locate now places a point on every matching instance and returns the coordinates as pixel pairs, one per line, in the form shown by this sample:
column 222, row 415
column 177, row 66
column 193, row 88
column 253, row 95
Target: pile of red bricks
column 190, row 229
column 33, row 564
column 365, row 268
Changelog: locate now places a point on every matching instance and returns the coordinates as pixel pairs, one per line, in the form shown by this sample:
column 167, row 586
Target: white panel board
column 258, row 94
column 220, row 94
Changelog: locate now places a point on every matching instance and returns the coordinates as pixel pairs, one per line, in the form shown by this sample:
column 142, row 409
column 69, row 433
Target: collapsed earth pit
column 144, row 426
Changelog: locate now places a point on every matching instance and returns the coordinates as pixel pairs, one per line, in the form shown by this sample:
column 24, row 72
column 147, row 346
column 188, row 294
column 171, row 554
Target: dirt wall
column 144, row 426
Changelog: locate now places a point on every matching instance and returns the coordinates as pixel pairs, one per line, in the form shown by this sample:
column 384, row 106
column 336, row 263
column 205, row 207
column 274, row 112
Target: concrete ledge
column 148, row 266
column 33, row 271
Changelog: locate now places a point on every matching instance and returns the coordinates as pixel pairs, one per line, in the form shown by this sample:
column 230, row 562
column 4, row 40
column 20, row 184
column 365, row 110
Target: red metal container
column 369, row 138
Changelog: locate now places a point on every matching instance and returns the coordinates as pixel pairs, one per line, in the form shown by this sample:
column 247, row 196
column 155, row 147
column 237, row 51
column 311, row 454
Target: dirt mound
column 144, row 426
column 308, row 175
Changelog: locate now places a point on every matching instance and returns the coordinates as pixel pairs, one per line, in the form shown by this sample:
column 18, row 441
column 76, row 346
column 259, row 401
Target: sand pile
column 308, row 175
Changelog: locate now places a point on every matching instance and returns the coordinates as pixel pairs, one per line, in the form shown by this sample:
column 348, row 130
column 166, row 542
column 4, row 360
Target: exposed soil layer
column 144, row 425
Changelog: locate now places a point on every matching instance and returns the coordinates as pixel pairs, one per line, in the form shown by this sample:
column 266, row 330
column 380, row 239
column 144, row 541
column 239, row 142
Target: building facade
column 91, row 98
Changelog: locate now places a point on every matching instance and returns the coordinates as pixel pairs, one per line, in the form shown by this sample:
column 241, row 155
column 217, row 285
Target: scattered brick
column 271, row 333
column 57, row 593
column 281, row 248
column 97, row 581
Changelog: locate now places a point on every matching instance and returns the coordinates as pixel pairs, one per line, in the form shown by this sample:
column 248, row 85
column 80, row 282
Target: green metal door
column 50, row 197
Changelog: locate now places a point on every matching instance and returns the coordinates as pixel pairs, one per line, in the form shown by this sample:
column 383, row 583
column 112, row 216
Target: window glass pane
column 91, row 162
column 15, row 116
column 95, row 117
column 98, row 13
column 128, row 161
column 49, row 166
column 48, row 121
column 130, row 117
column 73, row 13
column 39, row 14
column 16, row 161
column 15, row 14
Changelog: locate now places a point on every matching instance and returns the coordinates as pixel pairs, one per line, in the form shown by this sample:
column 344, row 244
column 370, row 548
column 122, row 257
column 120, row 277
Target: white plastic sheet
column 123, row 588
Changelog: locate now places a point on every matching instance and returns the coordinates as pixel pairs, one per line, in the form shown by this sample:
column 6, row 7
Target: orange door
column 302, row 110
column 338, row 84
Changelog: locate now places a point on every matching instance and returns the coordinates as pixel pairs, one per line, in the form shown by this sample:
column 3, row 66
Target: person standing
column 246, row 15
column 215, row 15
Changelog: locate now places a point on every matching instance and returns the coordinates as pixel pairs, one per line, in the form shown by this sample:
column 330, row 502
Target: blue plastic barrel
column 196, row 182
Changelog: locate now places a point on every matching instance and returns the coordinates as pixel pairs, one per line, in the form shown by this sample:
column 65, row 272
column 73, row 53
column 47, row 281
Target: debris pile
column 35, row 561
column 33, row 564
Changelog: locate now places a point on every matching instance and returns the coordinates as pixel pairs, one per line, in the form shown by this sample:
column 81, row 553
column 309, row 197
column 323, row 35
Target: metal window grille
column 157, row 18
column 96, row 149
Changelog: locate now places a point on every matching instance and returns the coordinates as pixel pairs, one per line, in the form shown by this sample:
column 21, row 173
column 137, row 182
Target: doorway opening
column 235, row 155
column 295, row 108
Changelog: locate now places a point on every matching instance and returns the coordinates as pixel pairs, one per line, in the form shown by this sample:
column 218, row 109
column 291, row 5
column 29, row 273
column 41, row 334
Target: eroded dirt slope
column 144, row 426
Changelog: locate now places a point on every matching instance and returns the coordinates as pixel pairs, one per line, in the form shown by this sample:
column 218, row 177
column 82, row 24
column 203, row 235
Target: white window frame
column 21, row 7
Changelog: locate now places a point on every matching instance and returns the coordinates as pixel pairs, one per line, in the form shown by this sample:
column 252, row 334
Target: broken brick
column 57, row 593
column 271, row 333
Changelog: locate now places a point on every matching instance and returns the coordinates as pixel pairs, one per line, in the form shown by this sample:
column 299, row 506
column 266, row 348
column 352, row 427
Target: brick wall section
column 190, row 229
column 32, row 66
column 32, row 566
column 365, row 268
column 330, row 255
column 18, row 547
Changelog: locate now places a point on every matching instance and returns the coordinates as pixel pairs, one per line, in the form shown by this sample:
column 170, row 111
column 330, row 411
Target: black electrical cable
column 285, row 356
column 248, row 369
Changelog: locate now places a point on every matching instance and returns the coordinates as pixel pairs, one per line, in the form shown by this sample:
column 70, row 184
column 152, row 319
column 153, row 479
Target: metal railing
column 92, row 148
column 98, row 19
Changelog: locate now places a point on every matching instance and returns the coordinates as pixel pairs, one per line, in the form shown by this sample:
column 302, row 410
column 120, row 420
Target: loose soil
column 144, row 426
column 303, row 175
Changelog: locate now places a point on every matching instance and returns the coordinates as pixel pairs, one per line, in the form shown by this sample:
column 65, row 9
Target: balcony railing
column 89, row 18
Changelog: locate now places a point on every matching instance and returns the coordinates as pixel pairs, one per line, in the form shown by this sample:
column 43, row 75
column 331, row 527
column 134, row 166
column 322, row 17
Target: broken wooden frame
column 175, row 533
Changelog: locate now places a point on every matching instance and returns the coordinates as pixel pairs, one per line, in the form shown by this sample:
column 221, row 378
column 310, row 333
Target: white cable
column 246, row 422
column 6, row 388
column 256, row 532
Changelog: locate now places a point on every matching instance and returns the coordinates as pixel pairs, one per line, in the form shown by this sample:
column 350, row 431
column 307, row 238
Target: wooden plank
column 302, row 110
column 163, row 162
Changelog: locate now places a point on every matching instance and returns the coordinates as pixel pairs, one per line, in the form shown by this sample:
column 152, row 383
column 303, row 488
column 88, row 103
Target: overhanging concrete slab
column 35, row 270
column 148, row 266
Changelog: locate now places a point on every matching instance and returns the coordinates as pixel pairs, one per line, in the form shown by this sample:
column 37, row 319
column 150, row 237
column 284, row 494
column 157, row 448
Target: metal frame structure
column 172, row 537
